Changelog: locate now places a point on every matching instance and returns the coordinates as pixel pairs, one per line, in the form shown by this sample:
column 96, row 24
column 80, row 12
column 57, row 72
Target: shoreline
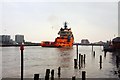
column 11, row 45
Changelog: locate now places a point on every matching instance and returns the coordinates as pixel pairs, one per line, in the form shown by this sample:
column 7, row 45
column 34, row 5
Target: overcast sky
column 39, row 21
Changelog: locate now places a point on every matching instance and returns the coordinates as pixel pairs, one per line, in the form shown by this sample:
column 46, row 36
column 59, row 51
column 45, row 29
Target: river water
column 37, row 59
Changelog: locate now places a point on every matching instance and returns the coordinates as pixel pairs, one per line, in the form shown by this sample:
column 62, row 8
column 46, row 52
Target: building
column 85, row 41
column 19, row 39
column 5, row 39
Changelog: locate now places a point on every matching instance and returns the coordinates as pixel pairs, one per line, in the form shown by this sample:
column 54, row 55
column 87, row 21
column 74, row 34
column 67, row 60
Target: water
column 37, row 59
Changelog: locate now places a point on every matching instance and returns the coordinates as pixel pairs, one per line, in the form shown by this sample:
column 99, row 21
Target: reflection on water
column 65, row 57
column 38, row 59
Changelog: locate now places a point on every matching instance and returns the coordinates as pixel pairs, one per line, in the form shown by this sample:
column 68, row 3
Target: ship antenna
column 65, row 25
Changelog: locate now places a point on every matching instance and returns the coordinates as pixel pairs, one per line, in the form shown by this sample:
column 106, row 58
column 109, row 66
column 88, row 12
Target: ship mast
column 65, row 25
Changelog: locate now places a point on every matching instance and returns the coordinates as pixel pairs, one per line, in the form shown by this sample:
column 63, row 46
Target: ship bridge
column 65, row 31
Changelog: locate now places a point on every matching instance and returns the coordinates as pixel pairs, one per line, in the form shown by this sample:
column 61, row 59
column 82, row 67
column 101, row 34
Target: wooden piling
column 81, row 58
column 79, row 61
column 84, row 58
column 73, row 78
column 59, row 72
column 100, row 61
column 94, row 54
column 100, row 65
column 47, row 74
column 75, row 63
column 77, row 51
column 100, row 58
column 52, row 75
column 36, row 76
column 22, row 61
column 83, row 75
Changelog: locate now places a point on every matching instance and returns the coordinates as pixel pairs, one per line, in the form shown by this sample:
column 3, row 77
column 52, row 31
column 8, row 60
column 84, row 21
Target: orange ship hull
column 63, row 42
column 59, row 42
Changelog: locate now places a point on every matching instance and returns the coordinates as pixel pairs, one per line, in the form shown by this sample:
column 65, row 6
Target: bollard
column 84, row 58
column 22, row 48
column 36, row 76
column 100, row 61
column 77, row 51
column 117, row 61
column 52, row 75
column 47, row 74
column 83, row 75
column 59, row 70
column 79, row 61
column 75, row 63
column 73, row 78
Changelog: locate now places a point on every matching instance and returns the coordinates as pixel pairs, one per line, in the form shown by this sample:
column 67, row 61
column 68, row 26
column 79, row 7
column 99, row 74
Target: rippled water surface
column 38, row 59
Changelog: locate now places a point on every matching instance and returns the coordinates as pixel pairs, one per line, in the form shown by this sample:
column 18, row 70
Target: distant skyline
column 39, row 21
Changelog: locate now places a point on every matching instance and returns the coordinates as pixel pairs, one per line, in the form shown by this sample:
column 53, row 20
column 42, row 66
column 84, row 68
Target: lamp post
column 22, row 48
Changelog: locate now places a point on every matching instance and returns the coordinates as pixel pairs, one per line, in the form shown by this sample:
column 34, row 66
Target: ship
column 65, row 38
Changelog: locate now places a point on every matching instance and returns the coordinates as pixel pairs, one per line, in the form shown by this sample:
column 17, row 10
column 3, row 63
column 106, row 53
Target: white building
column 19, row 39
